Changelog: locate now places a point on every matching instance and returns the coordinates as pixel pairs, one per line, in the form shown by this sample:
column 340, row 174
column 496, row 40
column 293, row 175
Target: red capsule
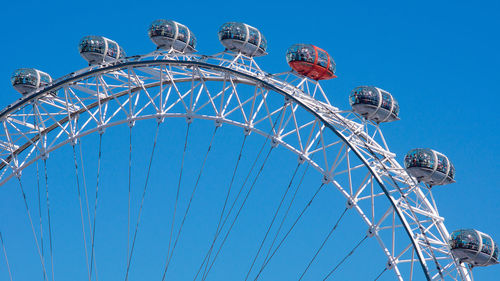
column 311, row 61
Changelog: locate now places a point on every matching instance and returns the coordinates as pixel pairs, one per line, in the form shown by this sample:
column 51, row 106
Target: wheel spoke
column 217, row 230
column 345, row 258
column 48, row 217
column 189, row 203
column 266, row 262
column 129, row 190
column 233, row 205
column 92, row 252
column 272, row 221
column 89, row 220
column 177, row 197
column 142, row 202
column 81, row 212
column 323, row 243
column 205, row 274
column 32, row 226
column 381, row 273
column 278, row 231
column 238, row 213
column 5, row 255
column 40, row 210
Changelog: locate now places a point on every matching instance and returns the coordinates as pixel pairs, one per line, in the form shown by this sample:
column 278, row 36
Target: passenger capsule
column 98, row 49
column 243, row 38
column 374, row 104
column 311, row 61
column 474, row 247
column 429, row 166
column 167, row 34
column 26, row 80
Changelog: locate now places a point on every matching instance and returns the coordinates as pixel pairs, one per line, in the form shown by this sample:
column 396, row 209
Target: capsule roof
column 98, row 49
column 168, row 34
column 429, row 166
column 243, row 38
column 311, row 61
column 374, row 104
column 25, row 80
column 474, row 247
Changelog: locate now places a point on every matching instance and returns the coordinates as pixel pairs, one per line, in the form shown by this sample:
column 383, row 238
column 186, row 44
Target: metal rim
column 250, row 75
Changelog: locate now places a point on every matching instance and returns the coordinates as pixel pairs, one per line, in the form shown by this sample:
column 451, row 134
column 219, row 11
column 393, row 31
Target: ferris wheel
column 343, row 152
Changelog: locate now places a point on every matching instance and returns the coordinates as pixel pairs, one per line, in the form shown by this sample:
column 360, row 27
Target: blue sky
column 439, row 59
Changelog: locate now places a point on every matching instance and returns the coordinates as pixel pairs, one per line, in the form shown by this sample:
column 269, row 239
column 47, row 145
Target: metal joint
column 275, row 141
column 372, row 230
column 44, row 155
column 131, row 122
column 326, row 179
column 218, row 122
column 350, row 203
column 247, row 130
column 390, row 263
column 302, row 159
column 160, row 118
column 73, row 140
column 17, row 172
column 101, row 129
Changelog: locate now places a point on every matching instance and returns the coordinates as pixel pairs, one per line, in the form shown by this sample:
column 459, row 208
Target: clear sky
column 439, row 59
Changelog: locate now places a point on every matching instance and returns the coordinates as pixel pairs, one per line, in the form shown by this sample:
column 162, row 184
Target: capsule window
column 168, row 30
column 112, row 49
column 487, row 245
column 331, row 66
column 410, row 159
column 442, row 165
column 238, row 32
column 253, row 36
column 395, row 109
column 455, row 241
column 263, row 42
column 225, row 31
column 183, row 33
column 24, row 77
column 322, row 58
column 29, row 78
column 353, row 99
column 451, row 173
column 44, row 79
column 163, row 28
column 99, row 47
column 234, row 31
column 465, row 239
column 367, row 96
column 93, row 45
column 192, row 41
column 293, row 53
column 386, row 100
column 420, row 158
column 426, row 159
column 307, row 54
column 122, row 53
column 155, row 28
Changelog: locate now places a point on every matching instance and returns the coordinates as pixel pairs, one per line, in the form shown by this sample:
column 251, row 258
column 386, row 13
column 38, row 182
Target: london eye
column 155, row 163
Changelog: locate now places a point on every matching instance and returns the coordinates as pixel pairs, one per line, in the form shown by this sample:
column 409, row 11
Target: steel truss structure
column 349, row 152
